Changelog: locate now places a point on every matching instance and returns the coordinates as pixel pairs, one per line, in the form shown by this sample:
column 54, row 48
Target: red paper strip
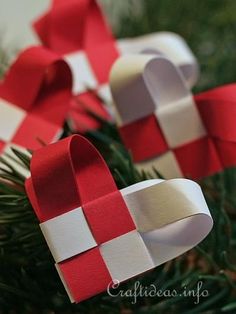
column 143, row 138
column 79, row 270
column 198, row 159
column 100, row 214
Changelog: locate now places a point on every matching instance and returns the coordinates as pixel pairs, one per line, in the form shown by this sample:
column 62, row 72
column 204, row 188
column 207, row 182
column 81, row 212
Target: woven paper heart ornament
column 97, row 233
column 35, row 97
column 77, row 29
column 164, row 126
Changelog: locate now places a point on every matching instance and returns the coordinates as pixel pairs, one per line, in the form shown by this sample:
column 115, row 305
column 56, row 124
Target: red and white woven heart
column 97, row 233
column 164, row 126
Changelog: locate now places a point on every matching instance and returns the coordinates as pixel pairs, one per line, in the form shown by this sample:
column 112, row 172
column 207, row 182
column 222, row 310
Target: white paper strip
column 126, row 256
column 83, row 76
column 176, row 118
column 11, row 118
column 68, row 235
column 163, row 202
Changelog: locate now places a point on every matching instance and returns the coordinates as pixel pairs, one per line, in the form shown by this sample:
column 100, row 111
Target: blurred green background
column 208, row 26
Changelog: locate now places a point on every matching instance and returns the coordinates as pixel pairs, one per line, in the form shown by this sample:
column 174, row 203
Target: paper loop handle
column 73, row 163
column 36, row 73
column 142, row 84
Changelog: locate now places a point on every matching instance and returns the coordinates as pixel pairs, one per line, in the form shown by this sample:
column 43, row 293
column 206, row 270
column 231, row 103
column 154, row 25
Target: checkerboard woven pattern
column 89, row 246
column 21, row 129
column 196, row 157
column 35, row 97
column 165, row 127
column 85, row 77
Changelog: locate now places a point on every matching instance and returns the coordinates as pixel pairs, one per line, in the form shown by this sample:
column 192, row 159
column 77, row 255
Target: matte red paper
column 147, row 139
column 73, row 26
column 2, row 144
column 198, row 159
column 69, row 174
column 100, row 214
column 202, row 157
column 40, row 83
column 83, row 108
column 86, row 274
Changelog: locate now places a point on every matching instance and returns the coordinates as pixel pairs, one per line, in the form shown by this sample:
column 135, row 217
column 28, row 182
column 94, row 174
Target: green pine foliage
column 29, row 282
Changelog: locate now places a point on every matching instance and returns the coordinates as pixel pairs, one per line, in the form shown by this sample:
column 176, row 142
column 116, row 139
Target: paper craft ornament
column 97, row 233
column 35, row 96
column 164, row 127
column 78, row 31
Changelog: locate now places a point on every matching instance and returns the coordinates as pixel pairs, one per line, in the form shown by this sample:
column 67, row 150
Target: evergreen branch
column 23, row 157
column 231, row 307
